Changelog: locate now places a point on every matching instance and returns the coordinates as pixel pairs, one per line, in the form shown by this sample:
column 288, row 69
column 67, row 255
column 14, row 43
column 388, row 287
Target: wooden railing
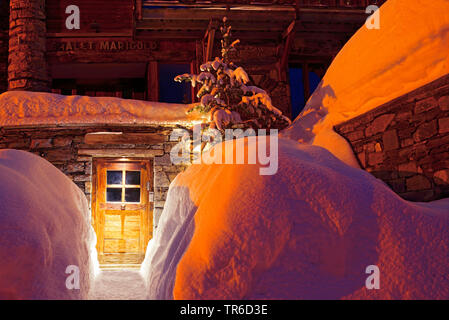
column 301, row 3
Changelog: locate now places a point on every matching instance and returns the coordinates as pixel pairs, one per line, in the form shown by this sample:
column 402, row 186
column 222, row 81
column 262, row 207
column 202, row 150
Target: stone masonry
column 4, row 39
column 65, row 148
column 27, row 69
column 405, row 142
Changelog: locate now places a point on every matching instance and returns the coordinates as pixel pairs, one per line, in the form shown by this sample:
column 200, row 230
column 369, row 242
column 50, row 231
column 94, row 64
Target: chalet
column 132, row 49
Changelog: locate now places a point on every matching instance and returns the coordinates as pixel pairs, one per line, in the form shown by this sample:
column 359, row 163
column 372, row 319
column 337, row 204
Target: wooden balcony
column 309, row 29
column 253, row 19
column 342, row 4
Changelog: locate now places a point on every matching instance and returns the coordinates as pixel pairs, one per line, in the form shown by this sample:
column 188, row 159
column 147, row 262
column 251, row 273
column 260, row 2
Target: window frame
column 123, row 186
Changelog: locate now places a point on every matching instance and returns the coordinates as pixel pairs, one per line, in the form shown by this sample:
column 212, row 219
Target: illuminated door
column 123, row 215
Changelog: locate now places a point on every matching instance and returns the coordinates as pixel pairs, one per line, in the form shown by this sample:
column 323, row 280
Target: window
column 123, row 186
column 171, row 91
column 298, row 99
column 123, row 80
column 123, row 88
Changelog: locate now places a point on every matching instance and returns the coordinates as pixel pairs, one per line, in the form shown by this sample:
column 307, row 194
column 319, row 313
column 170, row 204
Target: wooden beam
column 168, row 35
column 254, row 15
column 90, row 34
column 300, row 59
column 209, row 37
column 247, row 36
column 297, row 7
column 271, row 26
column 290, row 29
column 198, row 55
column 152, row 81
column 203, row 46
column 193, row 70
column 210, row 45
column 114, row 153
column 289, row 36
column 138, row 9
column 273, row 4
column 123, row 138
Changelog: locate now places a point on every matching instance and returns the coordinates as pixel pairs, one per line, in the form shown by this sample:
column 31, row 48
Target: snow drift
column 376, row 66
column 164, row 251
column 44, row 228
column 307, row 232
column 311, row 230
column 34, row 108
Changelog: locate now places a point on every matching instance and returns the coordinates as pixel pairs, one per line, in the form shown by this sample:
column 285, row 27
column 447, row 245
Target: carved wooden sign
column 102, row 45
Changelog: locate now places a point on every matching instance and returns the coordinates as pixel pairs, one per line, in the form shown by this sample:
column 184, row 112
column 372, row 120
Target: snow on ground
column 34, row 108
column 375, row 66
column 44, row 228
column 120, row 284
column 307, row 232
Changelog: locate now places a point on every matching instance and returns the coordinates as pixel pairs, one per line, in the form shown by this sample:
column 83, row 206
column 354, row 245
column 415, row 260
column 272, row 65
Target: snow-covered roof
column 19, row 108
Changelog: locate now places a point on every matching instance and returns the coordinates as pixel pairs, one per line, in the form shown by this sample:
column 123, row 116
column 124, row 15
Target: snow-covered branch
column 227, row 96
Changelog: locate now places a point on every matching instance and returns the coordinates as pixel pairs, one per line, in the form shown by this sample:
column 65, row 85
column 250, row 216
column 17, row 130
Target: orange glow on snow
column 374, row 67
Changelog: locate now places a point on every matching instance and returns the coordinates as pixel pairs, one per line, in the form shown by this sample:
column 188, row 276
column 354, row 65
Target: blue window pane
column 169, row 90
column 114, row 177
column 297, row 89
column 113, row 194
column 132, row 177
column 132, row 194
column 314, row 81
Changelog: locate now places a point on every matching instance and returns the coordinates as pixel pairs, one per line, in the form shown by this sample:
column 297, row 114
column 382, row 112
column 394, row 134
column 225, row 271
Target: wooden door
column 122, row 210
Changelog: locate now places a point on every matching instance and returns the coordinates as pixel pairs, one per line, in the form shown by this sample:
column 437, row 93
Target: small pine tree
column 227, row 96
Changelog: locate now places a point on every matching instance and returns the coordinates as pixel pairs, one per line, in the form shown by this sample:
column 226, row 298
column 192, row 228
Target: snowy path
column 124, row 284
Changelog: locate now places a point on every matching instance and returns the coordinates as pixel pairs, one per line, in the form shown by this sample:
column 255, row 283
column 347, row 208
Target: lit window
column 123, row 186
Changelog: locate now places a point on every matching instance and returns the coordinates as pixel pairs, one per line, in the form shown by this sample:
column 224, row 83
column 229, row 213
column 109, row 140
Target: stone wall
column 66, row 149
column 4, row 39
column 164, row 173
column 3, row 61
column 27, row 68
column 405, row 142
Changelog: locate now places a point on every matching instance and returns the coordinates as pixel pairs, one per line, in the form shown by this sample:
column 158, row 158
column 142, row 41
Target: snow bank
column 35, row 108
column 311, row 230
column 307, row 232
column 44, row 227
column 376, row 66
column 173, row 235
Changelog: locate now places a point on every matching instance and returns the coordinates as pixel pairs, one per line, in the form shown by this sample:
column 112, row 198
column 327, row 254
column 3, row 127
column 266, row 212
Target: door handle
column 123, row 206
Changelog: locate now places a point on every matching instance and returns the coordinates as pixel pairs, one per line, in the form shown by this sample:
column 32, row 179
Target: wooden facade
column 120, row 45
